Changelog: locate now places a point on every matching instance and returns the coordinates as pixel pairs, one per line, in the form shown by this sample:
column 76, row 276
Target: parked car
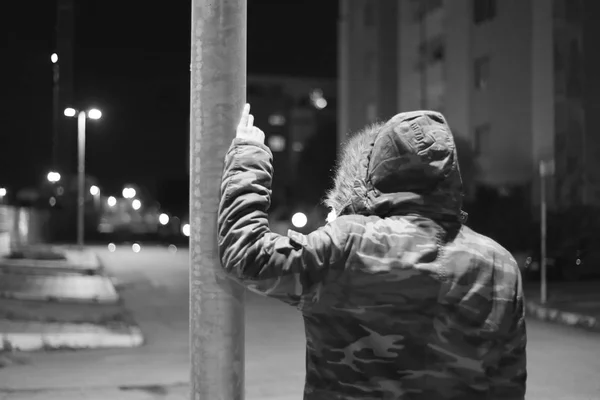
column 570, row 256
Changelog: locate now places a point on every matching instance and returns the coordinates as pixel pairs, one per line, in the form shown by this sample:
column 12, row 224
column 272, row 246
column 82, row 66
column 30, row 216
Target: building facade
column 291, row 111
column 509, row 75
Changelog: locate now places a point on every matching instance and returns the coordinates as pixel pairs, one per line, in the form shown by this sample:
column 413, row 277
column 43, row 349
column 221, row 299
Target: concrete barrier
column 21, row 226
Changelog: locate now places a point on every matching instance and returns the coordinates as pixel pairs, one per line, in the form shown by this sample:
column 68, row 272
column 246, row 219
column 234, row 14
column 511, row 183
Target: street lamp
column 129, row 193
column 299, row 220
column 53, row 177
column 136, row 204
column 81, row 119
column 55, row 107
column 112, row 201
column 3, row 192
column 163, row 219
column 95, row 192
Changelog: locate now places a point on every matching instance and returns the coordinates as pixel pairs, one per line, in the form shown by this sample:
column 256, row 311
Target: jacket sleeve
column 291, row 268
column 510, row 376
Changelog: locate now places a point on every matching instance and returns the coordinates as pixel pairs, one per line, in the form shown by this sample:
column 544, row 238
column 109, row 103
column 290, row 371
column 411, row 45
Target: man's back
column 419, row 312
column 400, row 299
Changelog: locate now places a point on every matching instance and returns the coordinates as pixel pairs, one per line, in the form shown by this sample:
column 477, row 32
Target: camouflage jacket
column 400, row 299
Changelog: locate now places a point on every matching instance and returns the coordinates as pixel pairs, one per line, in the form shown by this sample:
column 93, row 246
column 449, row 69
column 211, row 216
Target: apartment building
column 510, row 76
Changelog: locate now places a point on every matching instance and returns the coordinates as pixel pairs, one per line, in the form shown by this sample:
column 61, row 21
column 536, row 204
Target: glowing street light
column 321, row 103
column 185, row 229
column 81, row 120
column 3, row 192
column 136, row 204
column 54, row 58
column 112, row 201
column 94, row 113
column 53, row 177
column 163, row 219
column 299, row 220
column 317, row 99
column 129, row 193
column 94, row 190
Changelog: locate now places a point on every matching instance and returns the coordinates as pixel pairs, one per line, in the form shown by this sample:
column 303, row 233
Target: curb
column 72, row 264
column 568, row 318
column 59, row 336
column 108, row 299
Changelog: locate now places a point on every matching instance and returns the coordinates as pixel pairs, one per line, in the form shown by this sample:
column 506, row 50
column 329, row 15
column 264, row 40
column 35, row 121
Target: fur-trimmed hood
column 406, row 165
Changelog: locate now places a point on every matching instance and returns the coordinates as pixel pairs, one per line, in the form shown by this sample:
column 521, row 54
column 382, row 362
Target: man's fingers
column 245, row 116
column 260, row 135
column 250, row 121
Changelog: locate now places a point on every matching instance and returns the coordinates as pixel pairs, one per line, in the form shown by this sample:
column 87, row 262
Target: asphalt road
column 564, row 363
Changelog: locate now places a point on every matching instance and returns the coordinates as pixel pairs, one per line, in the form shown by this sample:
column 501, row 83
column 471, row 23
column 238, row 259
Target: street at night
column 416, row 182
column 563, row 361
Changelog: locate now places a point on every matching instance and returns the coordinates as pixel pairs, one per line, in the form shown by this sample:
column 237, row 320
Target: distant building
column 290, row 110
column 510, row 76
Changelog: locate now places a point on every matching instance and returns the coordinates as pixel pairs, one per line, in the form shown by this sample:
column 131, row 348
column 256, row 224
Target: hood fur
column 407, row 164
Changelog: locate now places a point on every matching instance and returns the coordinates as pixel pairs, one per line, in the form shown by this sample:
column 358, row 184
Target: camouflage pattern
column 400, row 299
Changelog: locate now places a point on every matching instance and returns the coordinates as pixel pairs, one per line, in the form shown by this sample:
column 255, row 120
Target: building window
column 437, row 52
column 573, row 11
column 574, row 72
column 431, row 52
column 481, row 139
column 559, row 61
column 481, row 73
column 369, row 15
column 420, row 8
column 483, row 10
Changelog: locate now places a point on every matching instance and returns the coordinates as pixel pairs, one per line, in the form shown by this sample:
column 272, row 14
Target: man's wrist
column 238, row 141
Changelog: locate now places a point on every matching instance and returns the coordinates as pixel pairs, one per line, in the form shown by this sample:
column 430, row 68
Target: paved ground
column 563, row 362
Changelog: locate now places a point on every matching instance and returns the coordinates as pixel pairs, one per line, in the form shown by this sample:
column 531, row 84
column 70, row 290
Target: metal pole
column 55, row 115
column 80, row 177
column 218, row 93
column 543, row 294
column 424, row 56
column 344, row 71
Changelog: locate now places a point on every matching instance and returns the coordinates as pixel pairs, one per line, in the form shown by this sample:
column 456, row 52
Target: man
column 400, row 300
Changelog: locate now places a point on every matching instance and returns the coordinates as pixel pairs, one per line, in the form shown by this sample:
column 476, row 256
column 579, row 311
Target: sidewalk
column 154, row 284
column 59, row 298
column 575, row 304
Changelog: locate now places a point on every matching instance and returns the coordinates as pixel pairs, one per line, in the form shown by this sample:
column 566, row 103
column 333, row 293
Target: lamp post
column 546, row 170
column 95, row 192
column 81, row 119
column 55, row 107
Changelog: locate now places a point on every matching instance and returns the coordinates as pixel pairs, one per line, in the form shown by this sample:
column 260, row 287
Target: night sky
column 131, row 59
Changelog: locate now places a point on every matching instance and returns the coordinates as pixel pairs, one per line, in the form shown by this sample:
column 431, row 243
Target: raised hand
column 246, row 129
